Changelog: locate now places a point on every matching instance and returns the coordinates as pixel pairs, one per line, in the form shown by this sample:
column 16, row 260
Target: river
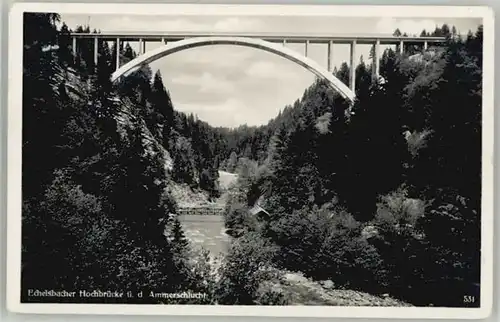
column 206, row 231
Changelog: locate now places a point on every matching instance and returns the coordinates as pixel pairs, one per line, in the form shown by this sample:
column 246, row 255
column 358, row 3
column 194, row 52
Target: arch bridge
column 274, row 43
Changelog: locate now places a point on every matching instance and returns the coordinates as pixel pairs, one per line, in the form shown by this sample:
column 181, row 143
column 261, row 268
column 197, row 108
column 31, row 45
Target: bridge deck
column 271, row 37
column 200, row 211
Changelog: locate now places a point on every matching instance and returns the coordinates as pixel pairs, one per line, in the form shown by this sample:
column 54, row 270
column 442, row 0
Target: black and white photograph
column 235, row 156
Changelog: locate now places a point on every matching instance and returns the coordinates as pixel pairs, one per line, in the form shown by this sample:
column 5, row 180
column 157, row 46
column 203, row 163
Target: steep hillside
column 124, row 121
column 299, row 290
column 185, row 196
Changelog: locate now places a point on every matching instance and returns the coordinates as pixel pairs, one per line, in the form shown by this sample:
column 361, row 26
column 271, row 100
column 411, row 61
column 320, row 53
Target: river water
column 206, row 231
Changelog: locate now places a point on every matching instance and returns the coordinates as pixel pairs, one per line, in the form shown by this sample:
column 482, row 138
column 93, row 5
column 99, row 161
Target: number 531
column 469, row 299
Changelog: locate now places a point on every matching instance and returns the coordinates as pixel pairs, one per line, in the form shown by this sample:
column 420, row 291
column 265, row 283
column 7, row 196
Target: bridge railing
column 203, row 211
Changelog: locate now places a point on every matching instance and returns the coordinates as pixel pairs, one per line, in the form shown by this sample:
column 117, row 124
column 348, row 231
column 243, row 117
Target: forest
column 382, row 198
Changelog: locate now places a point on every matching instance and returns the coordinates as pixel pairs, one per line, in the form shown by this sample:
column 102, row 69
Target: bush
column 451, row 262
column 327, row 244
column 271, row 292
column 397, row 211
column 417, row 141
column 238, row 220
column 430, row 251
column 65, row 216
column 246, row 266
column 397, row 241
column 199, row 275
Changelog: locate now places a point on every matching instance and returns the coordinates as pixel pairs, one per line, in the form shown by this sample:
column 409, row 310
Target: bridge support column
column 163, row 41
column 330, row 56
column 425, row 45
column 74, row 49
column 284, row 42
column 141, row 46
column 401, row 47
column 352, row 69
column 96, row 50
column 376, row 60
column 117, row 53
column 306, row 48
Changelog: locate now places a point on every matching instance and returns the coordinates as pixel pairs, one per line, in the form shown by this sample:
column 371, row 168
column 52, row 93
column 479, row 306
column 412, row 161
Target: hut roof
column 257, row 209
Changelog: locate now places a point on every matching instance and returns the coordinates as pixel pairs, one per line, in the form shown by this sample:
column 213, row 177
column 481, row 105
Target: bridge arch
column 279, row 50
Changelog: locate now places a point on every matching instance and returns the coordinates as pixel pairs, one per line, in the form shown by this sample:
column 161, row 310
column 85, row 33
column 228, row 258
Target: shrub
column 417, row 141
column 238, row 220
column 200, row 275
column 271, row 292
column 450, row 264
column 65, row 216
column 246, row 266
column 397, row 211
column 430, row 251
column 397, row 240
column 327, row 244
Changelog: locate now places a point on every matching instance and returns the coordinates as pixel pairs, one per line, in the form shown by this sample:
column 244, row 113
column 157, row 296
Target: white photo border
column 14, row 158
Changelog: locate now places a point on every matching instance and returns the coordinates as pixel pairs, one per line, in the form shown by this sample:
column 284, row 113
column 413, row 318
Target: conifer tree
column 343, row 73
column 162, row 106
column 233, row 160
column 64, row 43
column 179, row 239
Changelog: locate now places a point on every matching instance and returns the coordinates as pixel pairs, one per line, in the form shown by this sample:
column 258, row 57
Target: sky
column 232, row 85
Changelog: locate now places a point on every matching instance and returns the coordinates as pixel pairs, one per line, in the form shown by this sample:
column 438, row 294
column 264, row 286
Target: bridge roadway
column 269, row 36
